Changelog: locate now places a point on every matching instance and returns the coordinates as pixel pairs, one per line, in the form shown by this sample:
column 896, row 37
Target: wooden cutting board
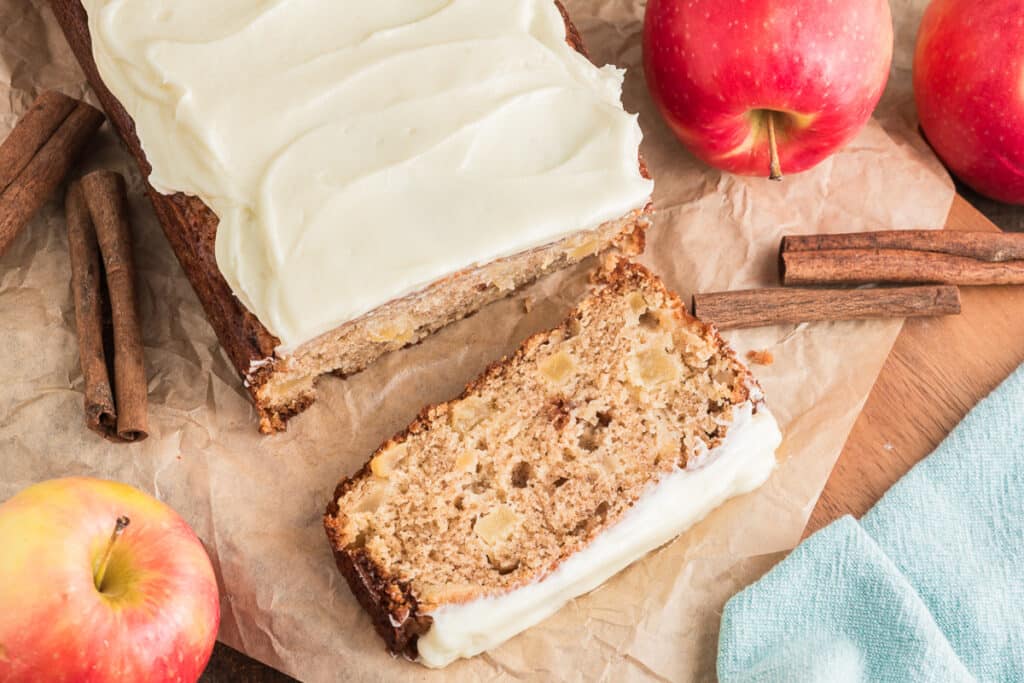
column 938, row 370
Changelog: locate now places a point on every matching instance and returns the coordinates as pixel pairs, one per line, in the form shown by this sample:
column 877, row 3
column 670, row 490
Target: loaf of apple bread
column 282, row 381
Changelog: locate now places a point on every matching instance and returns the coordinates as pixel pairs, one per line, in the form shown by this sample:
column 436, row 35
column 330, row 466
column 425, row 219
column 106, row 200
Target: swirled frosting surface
column 357, row 151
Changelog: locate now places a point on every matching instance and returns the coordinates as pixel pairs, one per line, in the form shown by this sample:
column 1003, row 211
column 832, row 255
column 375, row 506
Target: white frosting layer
column 357, row 151
column 741, row 463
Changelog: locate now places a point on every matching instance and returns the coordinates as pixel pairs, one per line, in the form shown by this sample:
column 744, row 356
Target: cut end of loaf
column 494, row 490
column 285, row 386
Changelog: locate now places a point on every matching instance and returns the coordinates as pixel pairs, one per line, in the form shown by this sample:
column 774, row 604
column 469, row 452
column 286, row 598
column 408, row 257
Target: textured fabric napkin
column 929, row 586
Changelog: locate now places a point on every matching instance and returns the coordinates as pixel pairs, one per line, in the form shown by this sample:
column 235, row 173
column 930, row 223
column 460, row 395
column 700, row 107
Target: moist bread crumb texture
column 495, row 489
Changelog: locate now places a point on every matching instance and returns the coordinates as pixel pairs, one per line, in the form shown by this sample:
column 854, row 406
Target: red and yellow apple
column 738, row 81
column 86, row 597
column 969, row 87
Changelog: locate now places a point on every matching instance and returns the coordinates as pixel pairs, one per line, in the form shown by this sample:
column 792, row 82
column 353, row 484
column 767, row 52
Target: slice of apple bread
column 593, row 444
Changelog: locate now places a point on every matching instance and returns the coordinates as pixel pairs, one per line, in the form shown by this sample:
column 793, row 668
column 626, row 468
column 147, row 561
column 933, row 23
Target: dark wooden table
column 229, row 665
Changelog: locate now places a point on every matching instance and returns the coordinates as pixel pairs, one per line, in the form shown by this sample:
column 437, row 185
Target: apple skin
column 715, row 67
column 969, row 87
column 158, row 616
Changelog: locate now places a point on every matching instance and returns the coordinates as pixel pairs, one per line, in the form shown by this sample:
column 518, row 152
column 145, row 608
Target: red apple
column 969, row 86
column 730, row 75
column 85, row 597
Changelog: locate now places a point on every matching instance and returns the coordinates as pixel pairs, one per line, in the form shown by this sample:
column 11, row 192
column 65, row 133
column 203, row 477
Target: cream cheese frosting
column 357, row 151
column 741, row 463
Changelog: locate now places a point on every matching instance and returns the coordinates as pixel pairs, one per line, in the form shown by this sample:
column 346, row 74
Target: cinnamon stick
column 36, row 179
column 108, row 207
column 31, row 132
column 995, row 247
column 87, row 288
column 757, row 307
column 862, row 266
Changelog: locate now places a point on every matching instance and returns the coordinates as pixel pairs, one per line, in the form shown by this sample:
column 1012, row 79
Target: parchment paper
column 257, row 501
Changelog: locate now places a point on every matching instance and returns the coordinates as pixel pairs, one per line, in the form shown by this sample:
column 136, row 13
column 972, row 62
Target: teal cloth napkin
column 929, row 586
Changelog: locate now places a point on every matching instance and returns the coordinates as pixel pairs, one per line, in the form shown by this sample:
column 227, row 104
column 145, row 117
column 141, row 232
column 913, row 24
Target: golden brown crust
column 191, row 228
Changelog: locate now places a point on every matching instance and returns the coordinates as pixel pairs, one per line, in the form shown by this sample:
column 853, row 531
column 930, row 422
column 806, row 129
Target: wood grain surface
column 937, row 371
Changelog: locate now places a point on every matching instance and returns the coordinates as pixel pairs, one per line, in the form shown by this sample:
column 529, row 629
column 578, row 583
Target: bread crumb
column 528, row 303
column 764, row 357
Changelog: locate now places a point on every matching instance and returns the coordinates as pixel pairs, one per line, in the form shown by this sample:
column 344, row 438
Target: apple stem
column 119, row 527
column 775, row 166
